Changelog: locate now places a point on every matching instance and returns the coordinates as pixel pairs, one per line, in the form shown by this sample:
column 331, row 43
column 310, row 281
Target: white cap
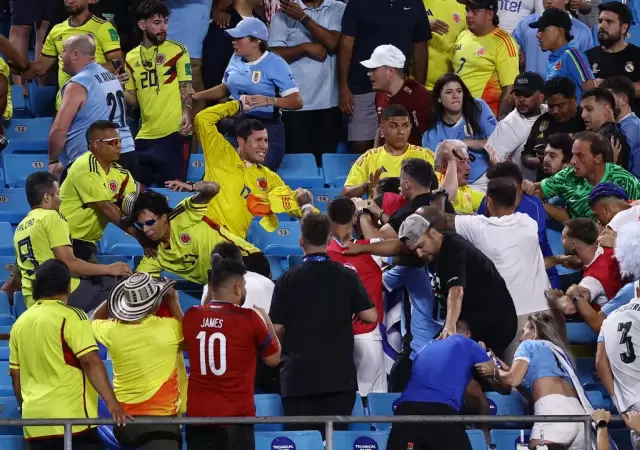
column 385, row 55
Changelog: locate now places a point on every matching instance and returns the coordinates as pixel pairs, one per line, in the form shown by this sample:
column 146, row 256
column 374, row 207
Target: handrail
column 328, row 421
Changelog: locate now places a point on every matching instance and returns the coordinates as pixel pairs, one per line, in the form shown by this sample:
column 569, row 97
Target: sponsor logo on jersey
column 456, row 17
column 185, row 238
column 510, row 6
column 629, row 67
column 113, row 186
column 262, row 184
column 557, row 65
column 256, row 76
column 458, row 47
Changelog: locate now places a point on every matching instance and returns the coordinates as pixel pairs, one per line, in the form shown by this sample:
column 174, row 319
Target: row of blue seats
column 39, row 102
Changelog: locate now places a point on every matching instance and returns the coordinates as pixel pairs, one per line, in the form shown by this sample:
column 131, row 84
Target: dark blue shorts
column 30, row 12
column 163, row 159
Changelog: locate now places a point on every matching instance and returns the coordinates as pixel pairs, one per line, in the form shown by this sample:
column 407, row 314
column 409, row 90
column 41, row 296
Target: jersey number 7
column 207, row 353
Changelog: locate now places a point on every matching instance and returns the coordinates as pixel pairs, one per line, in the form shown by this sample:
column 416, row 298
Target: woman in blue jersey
column 543, row 367
column 264, row 78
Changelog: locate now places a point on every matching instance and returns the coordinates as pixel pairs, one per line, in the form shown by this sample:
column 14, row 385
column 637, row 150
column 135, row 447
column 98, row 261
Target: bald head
column 81, row 43
column 79, row 51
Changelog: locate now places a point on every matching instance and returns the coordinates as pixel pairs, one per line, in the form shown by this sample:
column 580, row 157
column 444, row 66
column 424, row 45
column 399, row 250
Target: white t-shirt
column 619, row 331
column 259, row 291
column 624, row 217
column 511, row 242
column 511, row 12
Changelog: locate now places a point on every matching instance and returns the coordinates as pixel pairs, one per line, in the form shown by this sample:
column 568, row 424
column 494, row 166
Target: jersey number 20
column 630, row 355
column 207, row 353
column 116, row 102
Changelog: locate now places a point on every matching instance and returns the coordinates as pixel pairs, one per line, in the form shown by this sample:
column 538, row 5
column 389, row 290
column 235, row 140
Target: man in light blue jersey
column 93, row 93
column 537, row 60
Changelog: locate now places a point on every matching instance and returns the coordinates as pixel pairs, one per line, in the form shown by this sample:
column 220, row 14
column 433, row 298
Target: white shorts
column 570, row 435
column 369, row 360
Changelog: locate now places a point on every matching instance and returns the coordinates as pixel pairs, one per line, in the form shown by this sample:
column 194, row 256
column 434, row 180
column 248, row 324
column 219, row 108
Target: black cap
column 622, row 10
column 528, row 83
column 480, row 4
column 553, row 17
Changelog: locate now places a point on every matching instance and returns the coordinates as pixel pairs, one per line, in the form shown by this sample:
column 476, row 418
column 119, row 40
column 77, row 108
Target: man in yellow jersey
column 486, row 56
column 94, row 189
column 80, row 21
column 186, row 235
column 447, row 21
column 6, row 106
column 44, row 234
column 160, row 84
column 241, row 173
column 58, row 378
column 464, row 198
column 386, row 161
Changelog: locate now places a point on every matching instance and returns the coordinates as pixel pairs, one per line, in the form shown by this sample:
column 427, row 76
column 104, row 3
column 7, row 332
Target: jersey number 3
column 207, row 353
column 630, row 355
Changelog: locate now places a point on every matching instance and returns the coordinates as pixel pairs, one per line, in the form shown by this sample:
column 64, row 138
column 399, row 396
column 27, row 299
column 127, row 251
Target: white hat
column 385, row 55
column 134, row 298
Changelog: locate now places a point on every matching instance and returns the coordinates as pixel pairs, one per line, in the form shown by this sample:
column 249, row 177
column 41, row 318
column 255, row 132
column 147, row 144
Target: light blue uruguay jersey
column 105, row 101
column 269, row 75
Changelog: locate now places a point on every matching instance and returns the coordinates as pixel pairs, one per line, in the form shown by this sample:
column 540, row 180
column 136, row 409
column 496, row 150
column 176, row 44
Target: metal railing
column 328, row 422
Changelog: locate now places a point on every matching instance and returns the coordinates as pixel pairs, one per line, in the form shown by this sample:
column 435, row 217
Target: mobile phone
column 117, row 64
column 539, row 148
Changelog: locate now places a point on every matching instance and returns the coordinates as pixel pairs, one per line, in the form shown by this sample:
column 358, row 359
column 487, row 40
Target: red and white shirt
column 602, row 277
column 223, row 343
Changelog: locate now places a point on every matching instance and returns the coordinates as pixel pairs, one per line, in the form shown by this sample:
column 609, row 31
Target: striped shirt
column 570, row 62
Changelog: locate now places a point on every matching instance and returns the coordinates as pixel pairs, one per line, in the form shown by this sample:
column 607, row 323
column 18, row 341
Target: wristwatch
column 441, row 191
column 602, row 424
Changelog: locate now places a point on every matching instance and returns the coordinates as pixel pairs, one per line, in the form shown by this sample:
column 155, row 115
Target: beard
column 75, row 10
column 156, row 39
column 607, row 40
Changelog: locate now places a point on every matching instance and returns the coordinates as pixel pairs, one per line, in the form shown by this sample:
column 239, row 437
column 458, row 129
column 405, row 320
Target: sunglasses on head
column 148, row 223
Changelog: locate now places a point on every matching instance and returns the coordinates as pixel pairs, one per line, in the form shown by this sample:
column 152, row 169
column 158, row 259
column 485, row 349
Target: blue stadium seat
column 42, row 100
column 622, row 438
column 18, row 304
column 6, row 266
column 336, row 168
column 586, row 370
column 479, row 166
column 195, row 171
column 18, row 167
column 108, row 365
column 294, row 260
column 116, row 242
column 6, row 239
column 187, row 301
column 9, row 410
column 596, row 399
column 303, row 440
column 32, row 132
column 173, row 197
column 20, row 105
column 633, row 36
column 12, row 442
column 581, row 333
column 110, row 259
column 507, row 439
column 381, row 405
column 276, row 264
column 5, row 379
column 282, row 242
column 555, row 242
column 322, row 197
column 4, row 353
column 300, row 170
column 358, row 411
column 361, row 439
column 505, row 405
column 6, row 318
column 13, row 205
column 268, row 405
column 476, row 438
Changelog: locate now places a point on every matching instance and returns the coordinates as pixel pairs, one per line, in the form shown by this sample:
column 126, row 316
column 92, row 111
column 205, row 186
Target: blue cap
column 249, row 27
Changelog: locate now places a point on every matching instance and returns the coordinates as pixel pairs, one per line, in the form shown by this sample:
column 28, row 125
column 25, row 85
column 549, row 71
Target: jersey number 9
column 207, row 353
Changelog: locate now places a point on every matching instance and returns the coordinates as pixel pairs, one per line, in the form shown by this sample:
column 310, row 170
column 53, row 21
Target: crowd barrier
column 328, row 422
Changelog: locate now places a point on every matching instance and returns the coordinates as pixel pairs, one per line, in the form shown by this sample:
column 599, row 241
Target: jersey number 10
column 207, row 352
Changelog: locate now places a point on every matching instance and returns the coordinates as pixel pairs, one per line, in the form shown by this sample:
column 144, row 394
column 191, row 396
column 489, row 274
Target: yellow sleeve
column 14, row 360
column 101, row 331
column 90, row 188
column 57, row 230
column 184, row 67
column 274, row 180
column 194, row 210
column 218, row 152
column 476, row 199
column 108, row 37
column 78, row 334
column 49, row 48
column 149, row 265
column 507, row 62
column 359, row 172
column 130, row 85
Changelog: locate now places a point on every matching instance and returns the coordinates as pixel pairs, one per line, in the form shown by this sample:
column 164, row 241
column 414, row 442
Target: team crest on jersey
column 628, row 67
column 185, row 238
column 544, row 125
column 256, row 76
column 113, row 186
column 456, row 17
column 557, row 65
column 262, row 184
column 480, row 51
column 160, row 59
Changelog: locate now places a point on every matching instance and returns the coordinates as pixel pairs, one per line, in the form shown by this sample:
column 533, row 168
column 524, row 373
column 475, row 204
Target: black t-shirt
column 315, row 302
column 411, row 206
column 625, row 62
column 486, row 305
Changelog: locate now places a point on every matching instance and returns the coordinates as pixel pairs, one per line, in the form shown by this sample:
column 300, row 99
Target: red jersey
column 224, row 342
column 416, row 99
column 605, row 269
column 370, row 275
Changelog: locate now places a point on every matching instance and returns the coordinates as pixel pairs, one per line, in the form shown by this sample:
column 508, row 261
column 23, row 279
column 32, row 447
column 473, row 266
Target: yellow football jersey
column 193, row 237
column 4, row 70
column 237, row 178
column 154, row 74
column 441, row 47
column 103, row 33
column 87, row 183
column 34, row 240
column 467, row 199
column 379, row 158
column 486, row 64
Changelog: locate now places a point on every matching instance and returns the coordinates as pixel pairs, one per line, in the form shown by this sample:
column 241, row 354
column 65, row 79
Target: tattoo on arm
column 186, row 90
column 206, row 190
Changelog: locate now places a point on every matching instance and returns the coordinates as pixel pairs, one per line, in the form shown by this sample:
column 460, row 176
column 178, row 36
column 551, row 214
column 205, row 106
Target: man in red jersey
column 368, row 353
column 386, row 72
column 223, row 341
